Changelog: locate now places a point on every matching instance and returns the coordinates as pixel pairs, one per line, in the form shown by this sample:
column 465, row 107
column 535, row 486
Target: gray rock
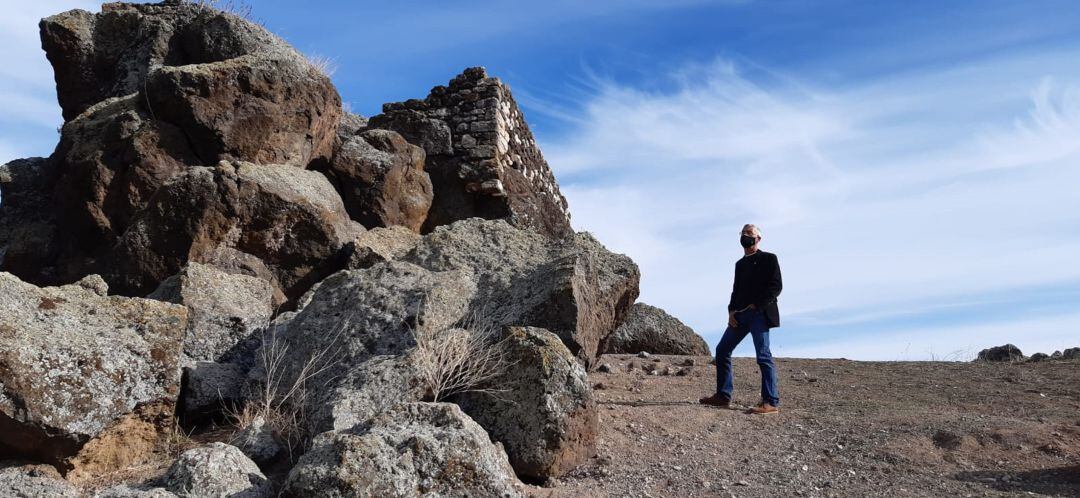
column 573, row 287
column 379, row 245
column 225, row 311
column 1071, row 354
column 129, row 491
column 1037, row 357
column 482, row 158
column 1006, row 353
column 34, row 481
column 258, row 442
column 604, row 368
column 85, row 374
column 1056, row 355
column 216, row 470
column 209, row 389
column 288, row 219
column 651, row 329
column 415, row 449
column 545, row 416
column 358, row 326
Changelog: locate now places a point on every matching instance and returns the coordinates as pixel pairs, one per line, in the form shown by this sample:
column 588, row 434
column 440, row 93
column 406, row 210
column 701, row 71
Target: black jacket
column 757, row 282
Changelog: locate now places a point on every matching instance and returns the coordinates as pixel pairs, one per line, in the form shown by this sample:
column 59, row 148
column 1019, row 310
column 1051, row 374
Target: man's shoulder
column 768, row 255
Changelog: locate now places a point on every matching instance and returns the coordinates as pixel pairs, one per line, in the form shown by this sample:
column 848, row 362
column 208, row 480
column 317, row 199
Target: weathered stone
column 130, row 491
column 29, row 243
column 209, row 389
column 648, row 328
column 290, row 220
column 379, row 245
column 1037, row 357
column 381, row 178
column 573, row 287
column 415, row 449
column 1071, row 354
column 1008, row 353
column 88, row 381
column 258, row 442
column 217, row 469
column 33, row 481
column 358, row 325
column 225, row 311
column 544, row 415
column 482, row 158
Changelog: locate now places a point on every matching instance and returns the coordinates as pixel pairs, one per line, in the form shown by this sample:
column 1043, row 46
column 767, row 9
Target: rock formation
column 1007, row 352
column 651, row 329
column 280, row 254
column 482, row 158
column 416, row 449
column 86, row 378
column 544, row 415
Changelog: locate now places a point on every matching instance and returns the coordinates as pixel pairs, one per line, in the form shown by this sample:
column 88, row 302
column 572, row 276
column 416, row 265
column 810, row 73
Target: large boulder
column 88, row 381
column 225, row 312
column 235, row 89
column 482, row 158
column 29, row 242
column 1006, row 353
column 283, row 224
column 651, row 329
column 380, row 244
column 33, row 481
column 381, row 178
column 415, row 449
column 573, row 287
column 216, row 469
column 149, row 90
column 541, row 408
column 358, row 326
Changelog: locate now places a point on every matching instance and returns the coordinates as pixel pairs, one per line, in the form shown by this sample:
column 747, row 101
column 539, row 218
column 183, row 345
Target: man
column 752, row 310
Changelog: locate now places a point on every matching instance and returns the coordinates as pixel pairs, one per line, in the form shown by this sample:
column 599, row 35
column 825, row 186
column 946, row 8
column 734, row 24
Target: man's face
column 749, row 232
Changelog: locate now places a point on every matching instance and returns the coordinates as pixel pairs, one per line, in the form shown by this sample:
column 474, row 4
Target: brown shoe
column 763, row 408
column 716, row 400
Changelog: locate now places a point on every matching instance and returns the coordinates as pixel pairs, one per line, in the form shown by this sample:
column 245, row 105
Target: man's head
column 749, row 237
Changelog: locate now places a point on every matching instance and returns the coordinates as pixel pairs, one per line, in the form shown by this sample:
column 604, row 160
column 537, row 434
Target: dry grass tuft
column 460, row 359
column 322, row 64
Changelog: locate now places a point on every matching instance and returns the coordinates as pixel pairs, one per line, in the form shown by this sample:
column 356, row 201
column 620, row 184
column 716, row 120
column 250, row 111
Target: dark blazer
column 757, row 282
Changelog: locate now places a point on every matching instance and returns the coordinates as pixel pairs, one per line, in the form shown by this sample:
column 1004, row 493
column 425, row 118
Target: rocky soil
column 846, row 428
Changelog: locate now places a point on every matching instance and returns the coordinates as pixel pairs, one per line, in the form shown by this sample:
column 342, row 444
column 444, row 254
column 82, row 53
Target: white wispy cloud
column 884, row 199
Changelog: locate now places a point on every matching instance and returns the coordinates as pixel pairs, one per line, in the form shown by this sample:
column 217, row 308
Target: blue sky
column 915, row 164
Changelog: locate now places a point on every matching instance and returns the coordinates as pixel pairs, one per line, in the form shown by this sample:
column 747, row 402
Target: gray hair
column 753, row 229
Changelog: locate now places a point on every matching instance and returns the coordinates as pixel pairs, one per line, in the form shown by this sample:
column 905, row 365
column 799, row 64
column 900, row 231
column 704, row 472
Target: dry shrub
column 281, row 399
column 464, row 358
column 237, row 8
column 322, row 64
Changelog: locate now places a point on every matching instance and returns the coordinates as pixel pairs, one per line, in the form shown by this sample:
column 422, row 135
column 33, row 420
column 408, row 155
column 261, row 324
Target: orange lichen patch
column 49, row 303
column 136, row 440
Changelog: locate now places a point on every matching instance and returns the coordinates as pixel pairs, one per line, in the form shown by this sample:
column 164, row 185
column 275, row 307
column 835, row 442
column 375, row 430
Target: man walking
column 752, row 310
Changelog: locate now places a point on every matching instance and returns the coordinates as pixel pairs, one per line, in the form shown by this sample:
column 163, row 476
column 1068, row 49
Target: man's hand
column 731, row 319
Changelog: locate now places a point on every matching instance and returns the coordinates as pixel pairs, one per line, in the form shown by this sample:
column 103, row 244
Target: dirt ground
column 846, row 428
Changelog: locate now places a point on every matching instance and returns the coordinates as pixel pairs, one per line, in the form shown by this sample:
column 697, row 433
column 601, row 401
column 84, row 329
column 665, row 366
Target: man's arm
column 734, row 289
column 773, row 284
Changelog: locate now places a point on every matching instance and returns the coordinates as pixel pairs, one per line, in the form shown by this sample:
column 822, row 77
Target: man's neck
column 750, row 251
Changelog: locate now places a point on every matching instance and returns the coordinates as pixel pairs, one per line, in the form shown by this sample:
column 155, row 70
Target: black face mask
column 747, row 241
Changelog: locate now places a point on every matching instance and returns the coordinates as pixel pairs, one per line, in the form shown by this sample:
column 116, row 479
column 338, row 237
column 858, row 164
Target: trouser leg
column 724, row 378
column 769, row 388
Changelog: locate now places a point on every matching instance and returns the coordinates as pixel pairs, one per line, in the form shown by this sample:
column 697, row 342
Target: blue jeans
column 750, row 322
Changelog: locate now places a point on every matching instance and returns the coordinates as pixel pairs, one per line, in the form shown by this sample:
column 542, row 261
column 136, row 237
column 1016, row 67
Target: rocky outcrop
column 542, row 411
column 1007, row 353
column 149, row 91
column 358, row 326
column 482, row 158
column 225, row 311
column 573, row 287
column 651, row 329
column 87, row 380
column 216, row 469
column 382, row 180
column 34, row 481
column 379, row 245
column 415, row 449
column 283, row 224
